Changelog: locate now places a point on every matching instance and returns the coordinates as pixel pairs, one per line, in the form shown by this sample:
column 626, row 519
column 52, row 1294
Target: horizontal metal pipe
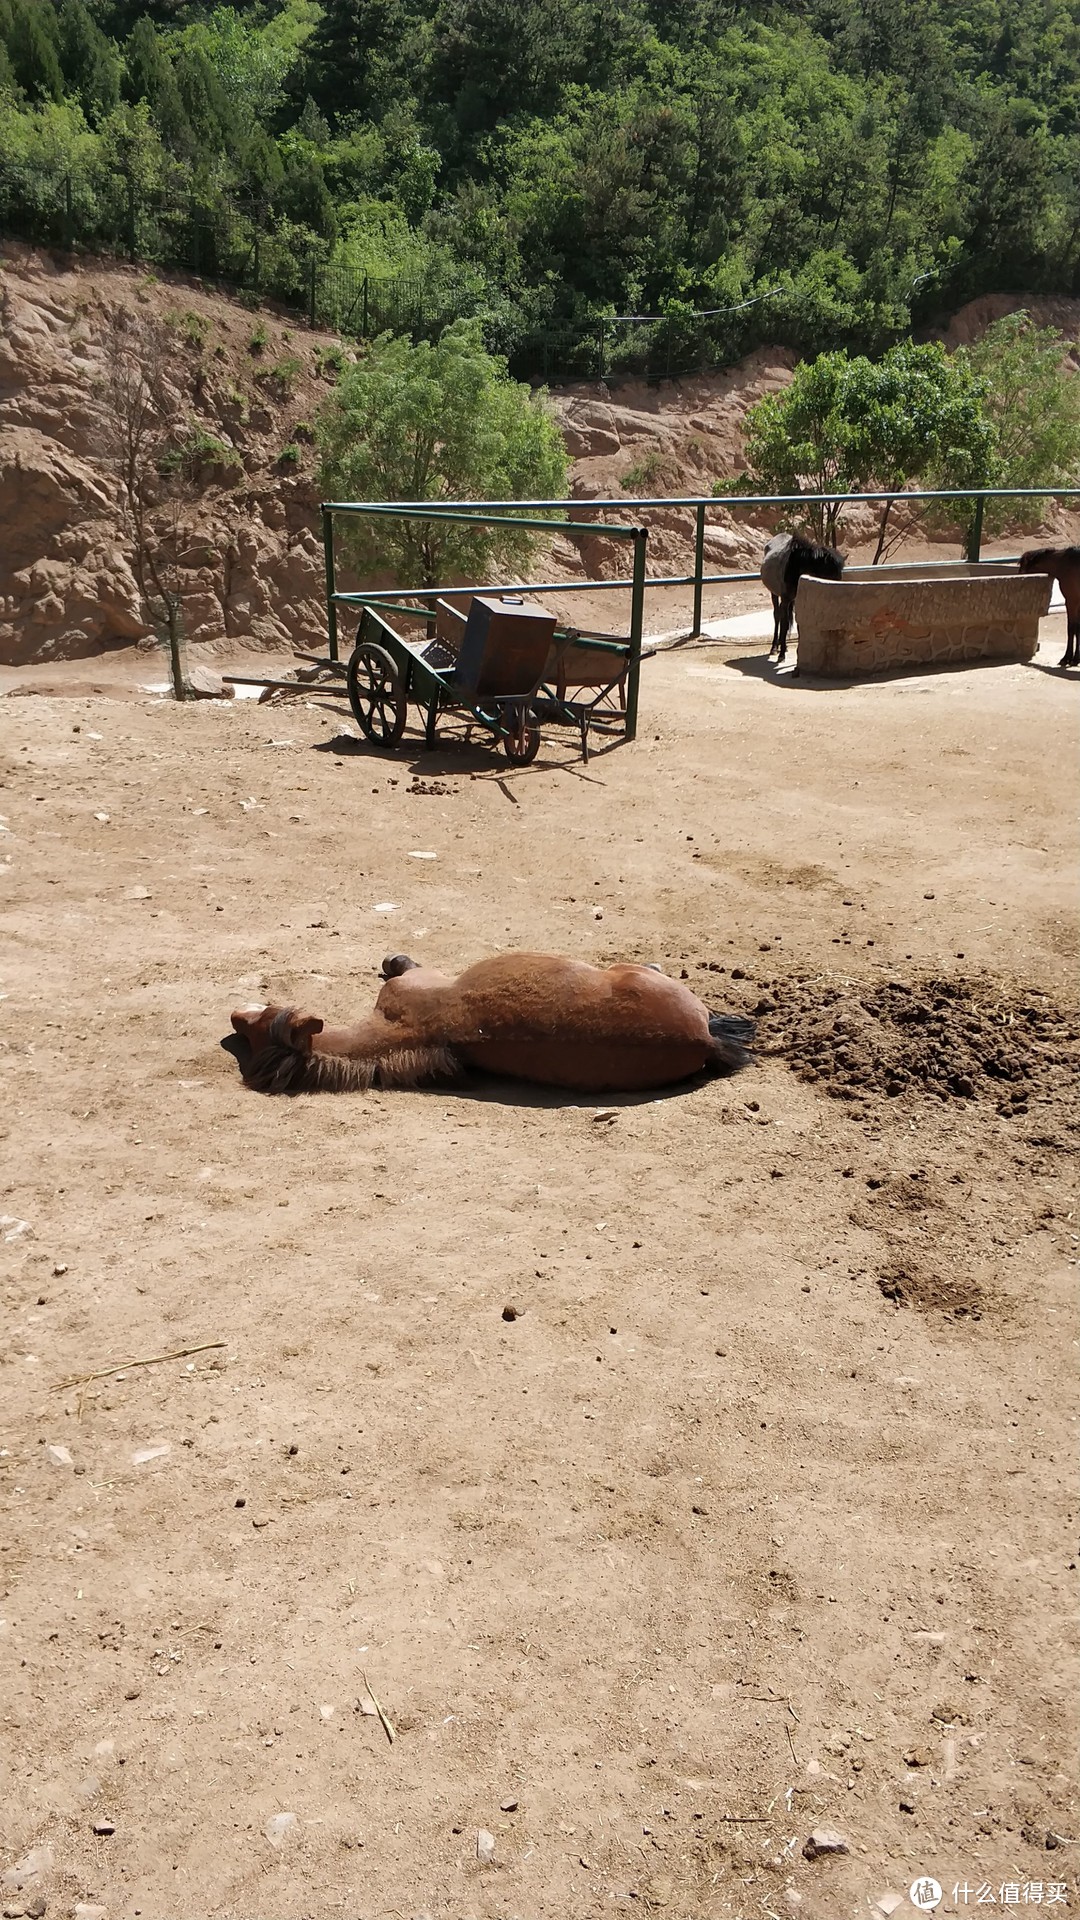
column 381, row 594
column 388, row 595
column 430, row 510
column 472, row 508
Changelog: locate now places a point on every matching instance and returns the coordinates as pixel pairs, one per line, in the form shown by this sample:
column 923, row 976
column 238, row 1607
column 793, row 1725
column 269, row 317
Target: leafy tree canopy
column 1032, row 398
column 850, row 425
column 437, row 422
column 866, row 165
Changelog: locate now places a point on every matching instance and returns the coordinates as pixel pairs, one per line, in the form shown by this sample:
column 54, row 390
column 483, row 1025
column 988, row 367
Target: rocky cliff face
column 251, row 563
column 653, row 442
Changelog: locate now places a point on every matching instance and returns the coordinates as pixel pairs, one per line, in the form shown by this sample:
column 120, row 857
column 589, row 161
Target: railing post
column 637, row 621
column 133, row 239
column 974, row 540
column 311, row 288
column 331, row 588
column 69, row 215
column 365, row 331
column 699, row 567
column 600, row 351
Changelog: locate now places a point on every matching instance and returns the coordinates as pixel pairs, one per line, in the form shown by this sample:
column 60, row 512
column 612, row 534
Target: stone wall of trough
column 872, row 621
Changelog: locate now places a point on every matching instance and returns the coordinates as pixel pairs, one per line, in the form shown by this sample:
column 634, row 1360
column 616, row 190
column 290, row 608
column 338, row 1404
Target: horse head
column 271, row 1046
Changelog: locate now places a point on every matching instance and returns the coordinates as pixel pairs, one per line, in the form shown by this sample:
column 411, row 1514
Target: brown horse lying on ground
column 527, row 1015
column 1063, row 565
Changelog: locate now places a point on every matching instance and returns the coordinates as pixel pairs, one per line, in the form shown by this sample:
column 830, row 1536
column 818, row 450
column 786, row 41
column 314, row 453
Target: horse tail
column 732, row 1036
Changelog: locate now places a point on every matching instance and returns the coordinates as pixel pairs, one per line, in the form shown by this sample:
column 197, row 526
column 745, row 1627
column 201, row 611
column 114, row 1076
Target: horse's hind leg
column 1071, row 656
column 776, row 604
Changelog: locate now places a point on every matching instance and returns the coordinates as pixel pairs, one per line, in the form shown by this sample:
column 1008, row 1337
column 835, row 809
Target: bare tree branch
column 139, row 435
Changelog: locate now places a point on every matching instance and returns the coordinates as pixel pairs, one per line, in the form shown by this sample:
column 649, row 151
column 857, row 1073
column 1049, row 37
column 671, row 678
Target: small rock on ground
column 202, row 684
column 825, row 1840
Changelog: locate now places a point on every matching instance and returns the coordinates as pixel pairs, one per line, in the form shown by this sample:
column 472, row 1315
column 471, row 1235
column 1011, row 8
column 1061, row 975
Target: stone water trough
column 917, row 616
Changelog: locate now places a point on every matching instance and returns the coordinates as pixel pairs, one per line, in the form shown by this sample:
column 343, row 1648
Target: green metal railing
column 497, row 513
column 539, row 515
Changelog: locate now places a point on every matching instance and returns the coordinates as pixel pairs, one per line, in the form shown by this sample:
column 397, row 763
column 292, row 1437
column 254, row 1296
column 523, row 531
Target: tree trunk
column 830, row 525
column 885, row 512
column 172, row 633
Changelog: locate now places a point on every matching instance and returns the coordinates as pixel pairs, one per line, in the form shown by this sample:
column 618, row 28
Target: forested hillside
column 865, row 163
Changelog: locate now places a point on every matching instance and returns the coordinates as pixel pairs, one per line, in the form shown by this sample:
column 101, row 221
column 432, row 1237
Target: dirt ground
column 754, row 1521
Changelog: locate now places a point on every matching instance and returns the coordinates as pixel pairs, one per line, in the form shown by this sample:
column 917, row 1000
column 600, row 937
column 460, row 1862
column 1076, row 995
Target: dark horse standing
column 1063, row 565
column 787, row 557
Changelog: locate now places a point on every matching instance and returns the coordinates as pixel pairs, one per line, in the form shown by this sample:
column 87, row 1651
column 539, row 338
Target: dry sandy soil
column 753, row 1521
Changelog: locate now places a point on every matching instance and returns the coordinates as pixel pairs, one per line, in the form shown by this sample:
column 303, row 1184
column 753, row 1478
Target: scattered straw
column 387, row 1728
column 84, row 1380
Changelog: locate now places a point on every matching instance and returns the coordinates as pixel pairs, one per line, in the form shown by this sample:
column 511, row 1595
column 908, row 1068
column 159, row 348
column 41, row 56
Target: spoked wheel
column 520, row 740
column 377, row 694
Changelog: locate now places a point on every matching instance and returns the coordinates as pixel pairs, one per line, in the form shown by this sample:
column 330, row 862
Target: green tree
column 490, row 60
column 204, row 100
column 303, row 195
column 437, row 422
column 362, row 56
column 249, row 64
column 259, row 169
column 850, row 425
column 30, row 31
column 1032, row 397
column 149, row 76
column 89, row 60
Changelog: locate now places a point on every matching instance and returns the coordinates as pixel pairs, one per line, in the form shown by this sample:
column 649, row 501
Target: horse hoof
column 396, row 964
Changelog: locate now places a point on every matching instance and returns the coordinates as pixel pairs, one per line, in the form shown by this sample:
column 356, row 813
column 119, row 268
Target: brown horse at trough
column 527, row 1016
column 1063, row 565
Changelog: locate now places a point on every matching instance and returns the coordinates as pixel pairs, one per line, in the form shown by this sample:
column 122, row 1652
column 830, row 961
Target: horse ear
column 301, row 1029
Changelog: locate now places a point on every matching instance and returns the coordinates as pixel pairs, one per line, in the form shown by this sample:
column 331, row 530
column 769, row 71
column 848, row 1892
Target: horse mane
column 400, row 1067
column 1030, row 561
column 281, row 1068
column 805, row 556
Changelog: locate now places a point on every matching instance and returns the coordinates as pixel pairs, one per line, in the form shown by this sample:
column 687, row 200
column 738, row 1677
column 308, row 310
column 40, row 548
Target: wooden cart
column 489, row 674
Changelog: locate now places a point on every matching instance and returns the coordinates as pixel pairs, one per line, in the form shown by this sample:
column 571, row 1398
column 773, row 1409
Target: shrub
column 193, row 327
column 329, row 361
column 647, row 473
column 200, row 456
column 281, row 377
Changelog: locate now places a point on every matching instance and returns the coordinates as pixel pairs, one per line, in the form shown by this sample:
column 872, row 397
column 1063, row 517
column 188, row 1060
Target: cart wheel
column 377, row 694
column 521, row 742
